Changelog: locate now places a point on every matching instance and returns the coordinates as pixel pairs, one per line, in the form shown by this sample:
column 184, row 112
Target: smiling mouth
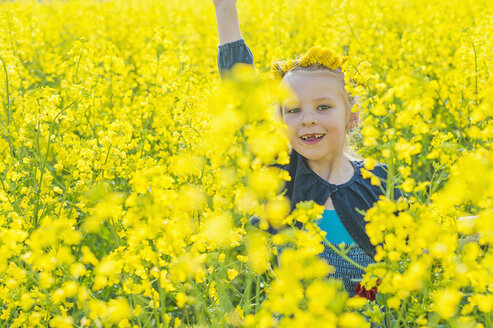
column 312, row 137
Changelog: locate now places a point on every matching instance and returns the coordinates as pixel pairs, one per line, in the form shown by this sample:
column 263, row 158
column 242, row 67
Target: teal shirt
column 332, row 225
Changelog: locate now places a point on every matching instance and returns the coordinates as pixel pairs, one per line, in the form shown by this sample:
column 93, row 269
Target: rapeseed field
column 130, row 173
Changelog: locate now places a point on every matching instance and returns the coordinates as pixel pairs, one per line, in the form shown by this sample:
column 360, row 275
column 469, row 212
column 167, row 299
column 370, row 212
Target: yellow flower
column 445, row 302
column 356, row 302
column 77, row 270
column 232, row 273
column 276, row 210
column 213, row 291
column 483, row 302
column 181, row 299
column 62, row 322
column 258, row 252
column 70, row 288
column 375, row 181
column 408, row 185
column 265, row 182
column 218, row 230
column 118, row 310
column 350, row 319
column 369, row 163
column 26, row 302
column 138, row 310
column 394, row 302
column 315, row 55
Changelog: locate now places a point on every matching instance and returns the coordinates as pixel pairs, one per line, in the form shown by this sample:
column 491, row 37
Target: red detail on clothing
column 368, row 294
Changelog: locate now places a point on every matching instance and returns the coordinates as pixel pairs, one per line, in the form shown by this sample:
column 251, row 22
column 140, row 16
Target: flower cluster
column 316, row 55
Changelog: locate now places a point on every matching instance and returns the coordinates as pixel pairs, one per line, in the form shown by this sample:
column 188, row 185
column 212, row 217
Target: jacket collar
column 310, row 186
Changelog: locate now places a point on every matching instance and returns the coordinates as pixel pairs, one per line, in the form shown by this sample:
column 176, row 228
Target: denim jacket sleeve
column 232, row 53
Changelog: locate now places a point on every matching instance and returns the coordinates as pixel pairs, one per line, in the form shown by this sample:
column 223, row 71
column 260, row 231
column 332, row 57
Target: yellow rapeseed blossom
column 446, row 302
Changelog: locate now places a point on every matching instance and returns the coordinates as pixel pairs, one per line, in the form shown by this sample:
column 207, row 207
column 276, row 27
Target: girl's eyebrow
column 290, row 102
column 325, row 98
column 296, row 102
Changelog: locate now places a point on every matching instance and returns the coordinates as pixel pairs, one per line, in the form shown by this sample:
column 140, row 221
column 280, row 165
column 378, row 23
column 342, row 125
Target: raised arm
column 228, row 25
column 232, row 47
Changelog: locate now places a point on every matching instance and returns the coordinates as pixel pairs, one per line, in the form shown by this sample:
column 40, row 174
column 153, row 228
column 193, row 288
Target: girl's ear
column 353, row 120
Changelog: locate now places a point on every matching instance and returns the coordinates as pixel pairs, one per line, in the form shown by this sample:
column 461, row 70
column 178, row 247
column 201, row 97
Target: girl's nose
column 308, row 118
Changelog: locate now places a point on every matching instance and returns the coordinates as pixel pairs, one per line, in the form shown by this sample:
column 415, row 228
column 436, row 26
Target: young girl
column 318, row 120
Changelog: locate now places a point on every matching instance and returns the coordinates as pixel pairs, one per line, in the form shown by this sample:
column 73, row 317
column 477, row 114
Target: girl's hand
column 219, row 3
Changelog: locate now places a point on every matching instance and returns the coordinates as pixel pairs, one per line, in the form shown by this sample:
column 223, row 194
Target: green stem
column 435, row 185
column 43, row 164
column 77, row 68
column 132, row 303
column 390, row 180
column 399, row 316
column 475, row 75
column 246, row 297
column 203, row 304
column 387, row 316
column 15, row 55
column 257, row 294
column 9, row 108
column 156, row 317
column 162, row 302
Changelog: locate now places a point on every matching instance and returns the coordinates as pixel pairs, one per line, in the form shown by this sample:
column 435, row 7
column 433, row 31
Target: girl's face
column 316, row 115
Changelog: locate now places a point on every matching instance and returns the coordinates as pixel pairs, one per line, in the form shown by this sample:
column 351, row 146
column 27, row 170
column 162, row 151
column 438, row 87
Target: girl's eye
column 296, row 110
column 293, row 110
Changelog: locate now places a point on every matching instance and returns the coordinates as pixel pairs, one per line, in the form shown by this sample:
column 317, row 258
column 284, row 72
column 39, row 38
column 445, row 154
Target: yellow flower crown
column 316, row 55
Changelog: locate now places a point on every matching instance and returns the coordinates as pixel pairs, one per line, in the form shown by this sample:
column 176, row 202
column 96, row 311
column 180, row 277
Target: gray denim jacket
column 305, row 184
